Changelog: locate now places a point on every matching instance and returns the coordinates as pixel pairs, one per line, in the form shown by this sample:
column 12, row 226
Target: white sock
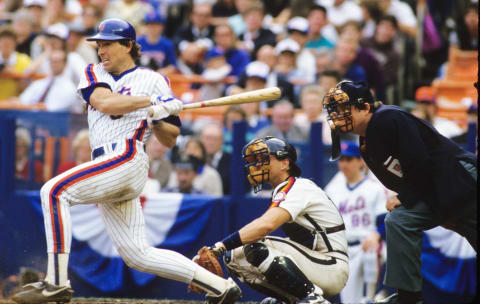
column 57, row 262
column 209, row 282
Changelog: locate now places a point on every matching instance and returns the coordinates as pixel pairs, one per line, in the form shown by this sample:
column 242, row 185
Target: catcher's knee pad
column 255, row 253
column 285, row 274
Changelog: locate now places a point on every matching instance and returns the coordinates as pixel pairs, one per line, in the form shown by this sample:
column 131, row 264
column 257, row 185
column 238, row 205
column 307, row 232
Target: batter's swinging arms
column 118, row 95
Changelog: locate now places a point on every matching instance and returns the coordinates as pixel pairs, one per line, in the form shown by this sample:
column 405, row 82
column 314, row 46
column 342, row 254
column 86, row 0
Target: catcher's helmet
column 338, row 102
column 257, row 158
column 114, row 29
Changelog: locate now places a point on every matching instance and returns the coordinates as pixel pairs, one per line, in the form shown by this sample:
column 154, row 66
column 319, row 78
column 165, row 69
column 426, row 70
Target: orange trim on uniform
column 282, row 193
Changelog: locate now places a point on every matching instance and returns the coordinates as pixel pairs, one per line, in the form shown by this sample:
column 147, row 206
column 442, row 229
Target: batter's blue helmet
column 114, row 29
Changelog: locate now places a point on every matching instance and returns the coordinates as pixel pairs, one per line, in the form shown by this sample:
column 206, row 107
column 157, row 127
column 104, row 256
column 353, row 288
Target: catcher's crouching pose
column 309, row 265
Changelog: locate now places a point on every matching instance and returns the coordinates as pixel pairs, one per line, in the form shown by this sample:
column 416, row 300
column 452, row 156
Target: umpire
column 436, row 180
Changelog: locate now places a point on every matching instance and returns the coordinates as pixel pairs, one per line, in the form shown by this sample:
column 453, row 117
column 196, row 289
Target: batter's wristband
column 232, row 241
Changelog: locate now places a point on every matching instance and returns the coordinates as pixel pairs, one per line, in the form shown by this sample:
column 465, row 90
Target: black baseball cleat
column 313, row 298
column 229, row 296
column 43, row 292
column 394, row 299
column 270, row 300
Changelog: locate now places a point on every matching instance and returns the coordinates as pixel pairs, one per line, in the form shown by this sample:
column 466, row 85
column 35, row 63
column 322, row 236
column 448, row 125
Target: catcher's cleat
column 271, row 300
column 43, row 292
column 231, row 294
column 313, row 298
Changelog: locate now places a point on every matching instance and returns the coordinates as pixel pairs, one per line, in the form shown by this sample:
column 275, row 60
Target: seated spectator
column 233, row 114
column 91, row 15
column 76, row 43
column 186, row 167
column 282, row 124
column 158, row 52
column 255, row 36
column 298, row 30
column 199, row 29
column 207, row 179
column 23, row 28
column 465, row 36
column 225, row 39
column 221, row 10
column 131, row 10
column 323, row 60
column 407, row 21
column 382, row 47
column 311, row 99
column 12, row 63
column 56, row 12
column 237, row 22
column 160, row 166
column 341, row 11
column 216, row 70
column 54, row 93
column 22, row 160
column 81, row 150
column 287, row 53
column 328, row 79
column 190, row 61
column 425, row 96
column 212, row 139
column 36, row 8
column 320, row 32
column 345, row 54
column 371, row 14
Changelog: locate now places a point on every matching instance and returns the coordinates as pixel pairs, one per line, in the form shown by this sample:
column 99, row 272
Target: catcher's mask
column 257, row 159
column 338, row 103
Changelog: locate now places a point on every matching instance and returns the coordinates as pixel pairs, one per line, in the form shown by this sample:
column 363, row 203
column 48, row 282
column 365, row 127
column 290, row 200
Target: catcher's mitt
column 208, row 260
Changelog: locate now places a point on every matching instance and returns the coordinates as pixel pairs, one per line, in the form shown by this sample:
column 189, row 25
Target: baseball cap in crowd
column 76, row 27
column 214, row 53
column 350, row 148
column 298, row 24
column 425, row 95
column 185, row 161
column 28, row 3
column 257, row 69
column 153, row 17
column 285, row 45
column 58, row 30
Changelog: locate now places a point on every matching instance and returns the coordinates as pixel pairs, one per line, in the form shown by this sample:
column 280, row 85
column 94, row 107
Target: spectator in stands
column 56, row 12
column 216, row 70
column 12, row 63
column 233, row 114
column 323, row 60
column 255, row 36
column 287, row 54
column 344, row 56
column 90, row 17
column 321, row 33
column 158, row 52
column 407, row 22
column 191, row 58
column 55, row 39
column 82, row 152
column 382, row 47
column 282, row 124
column 311, row 99
column 199, row 29
column 341, row 11
column 160, row 166
column 212, row 138
column 365, row 58
column 22, row 160
column 186, row 167
column 76, row 42
column 36, row 8
column 225, row 39
column 208, row 179
column 222, row 10
column 102, row 6
column 131, row 10
column 237, row 22
column 426, row 97
column 23, row 27
column 465, row 35
column 328, row 79
column 371, row 14
column 298, row 29
column 54, row 93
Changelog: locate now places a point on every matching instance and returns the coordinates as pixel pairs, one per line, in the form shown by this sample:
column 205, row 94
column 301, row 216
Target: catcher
column 312, row 262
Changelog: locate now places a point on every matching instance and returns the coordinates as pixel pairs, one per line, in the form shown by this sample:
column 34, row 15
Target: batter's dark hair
column 135, row 51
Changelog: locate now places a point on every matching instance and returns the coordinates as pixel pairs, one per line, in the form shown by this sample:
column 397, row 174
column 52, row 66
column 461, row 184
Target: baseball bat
column 245, row 97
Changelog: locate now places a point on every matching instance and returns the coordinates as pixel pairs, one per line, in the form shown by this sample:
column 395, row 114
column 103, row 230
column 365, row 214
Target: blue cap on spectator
column 350, row 148
column 214, row 53
column 153, row 17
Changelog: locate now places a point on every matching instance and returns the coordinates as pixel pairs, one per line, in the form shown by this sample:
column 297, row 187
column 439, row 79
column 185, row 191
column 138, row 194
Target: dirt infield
column 125, row 301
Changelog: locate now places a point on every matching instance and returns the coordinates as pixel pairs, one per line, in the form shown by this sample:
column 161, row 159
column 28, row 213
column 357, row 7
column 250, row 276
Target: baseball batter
column 309, row 265
column 360, row 200
column 117, row 94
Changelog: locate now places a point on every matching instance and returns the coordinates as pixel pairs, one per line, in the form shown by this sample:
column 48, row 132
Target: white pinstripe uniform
column 113, row 179
column 360, row 205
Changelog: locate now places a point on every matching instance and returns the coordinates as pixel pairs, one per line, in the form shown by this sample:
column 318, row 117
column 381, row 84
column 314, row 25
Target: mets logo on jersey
column 125, row 91
column 393, row 166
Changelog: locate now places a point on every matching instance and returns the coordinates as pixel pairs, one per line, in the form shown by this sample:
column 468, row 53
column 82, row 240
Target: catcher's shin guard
column 285, row 274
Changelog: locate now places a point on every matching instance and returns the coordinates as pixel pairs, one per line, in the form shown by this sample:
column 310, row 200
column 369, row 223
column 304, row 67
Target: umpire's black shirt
column 411, row 158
